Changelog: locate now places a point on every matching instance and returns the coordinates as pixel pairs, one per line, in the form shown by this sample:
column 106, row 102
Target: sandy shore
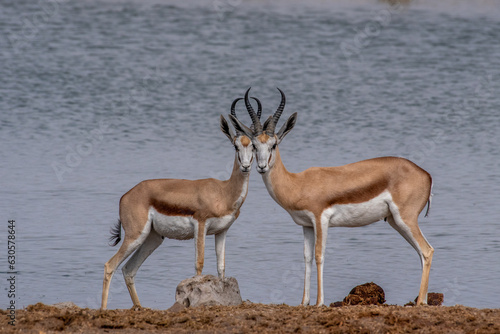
column 262, row 318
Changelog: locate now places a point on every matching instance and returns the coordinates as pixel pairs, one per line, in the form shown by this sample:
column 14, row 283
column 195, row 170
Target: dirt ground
column 250, row 317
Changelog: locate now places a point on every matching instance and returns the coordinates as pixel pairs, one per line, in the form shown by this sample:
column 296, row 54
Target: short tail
column 429, row 202
column 116, row 234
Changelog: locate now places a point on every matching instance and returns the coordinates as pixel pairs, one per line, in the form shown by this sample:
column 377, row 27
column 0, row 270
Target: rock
column 433, row 299
column 207, row 290
column 365, row 294
column 337, row 304
column 177, row 307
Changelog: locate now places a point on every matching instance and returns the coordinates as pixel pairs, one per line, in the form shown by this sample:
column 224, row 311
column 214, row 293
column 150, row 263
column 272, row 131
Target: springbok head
column 242, row 142
column 264, row 138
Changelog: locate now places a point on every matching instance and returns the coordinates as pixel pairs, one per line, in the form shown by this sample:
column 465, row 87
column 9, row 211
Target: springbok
column 180, row 209
column 353, row 195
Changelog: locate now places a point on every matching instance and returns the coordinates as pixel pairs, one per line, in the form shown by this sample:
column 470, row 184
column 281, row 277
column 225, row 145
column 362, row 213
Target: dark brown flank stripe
column 170, row 210
column 355, row 196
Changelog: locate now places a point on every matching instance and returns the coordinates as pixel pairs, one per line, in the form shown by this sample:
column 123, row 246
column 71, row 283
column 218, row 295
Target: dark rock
column 365, row 294
column 177, row 307
column 207, row 290
column 435, row 299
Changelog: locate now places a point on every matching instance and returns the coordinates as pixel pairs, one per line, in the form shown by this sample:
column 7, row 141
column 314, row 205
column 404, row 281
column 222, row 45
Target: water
column 99, row 95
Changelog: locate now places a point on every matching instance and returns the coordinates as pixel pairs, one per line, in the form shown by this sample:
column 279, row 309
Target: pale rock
column 208, row 290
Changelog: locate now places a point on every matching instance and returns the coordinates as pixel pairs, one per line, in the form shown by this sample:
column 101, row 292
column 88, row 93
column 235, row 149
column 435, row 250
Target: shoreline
column 253, row 317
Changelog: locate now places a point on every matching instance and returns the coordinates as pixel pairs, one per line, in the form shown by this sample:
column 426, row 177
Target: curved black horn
column 259, row 107
column 233, row 106
column 253, row 116
column 259, row 112
column 233, row 112
column 272, row 126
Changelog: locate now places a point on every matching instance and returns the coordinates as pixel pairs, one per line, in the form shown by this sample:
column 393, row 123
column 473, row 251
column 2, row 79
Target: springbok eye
column 236, row 148
column 274, row 146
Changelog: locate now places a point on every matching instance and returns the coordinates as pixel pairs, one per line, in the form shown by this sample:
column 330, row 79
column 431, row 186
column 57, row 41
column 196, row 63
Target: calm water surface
column 96, row 96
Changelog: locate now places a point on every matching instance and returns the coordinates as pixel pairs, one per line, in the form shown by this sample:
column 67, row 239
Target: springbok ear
column 240, row 127
column 287, row 127
column 266, row 123
column 224, row 126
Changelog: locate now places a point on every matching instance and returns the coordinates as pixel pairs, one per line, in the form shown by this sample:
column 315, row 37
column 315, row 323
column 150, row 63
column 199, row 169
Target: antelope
column 357, row 194
column 180, row 209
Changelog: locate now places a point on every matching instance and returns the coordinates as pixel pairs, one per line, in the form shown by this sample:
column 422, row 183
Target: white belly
column 183, row 227
column 348, row 215
column 359, row 214
column 173, row 227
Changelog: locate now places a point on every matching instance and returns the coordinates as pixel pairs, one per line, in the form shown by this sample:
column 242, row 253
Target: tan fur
column 201, row 199
column 200, row 248
column 319, row 188
column 245, row 141
column 263, row 137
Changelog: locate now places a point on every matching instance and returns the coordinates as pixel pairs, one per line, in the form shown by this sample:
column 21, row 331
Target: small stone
column 365, row 294
column 337, row 304
column 177, row 307
column 435, row 299
column 208, row 290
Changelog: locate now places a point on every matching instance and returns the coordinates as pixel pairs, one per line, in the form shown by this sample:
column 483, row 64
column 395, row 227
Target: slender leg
column 130, row 268
column 220, row 251
column 308, row 258
column 321, row 233
column 426, row 258
column 409, row 229
column 200, row 234
column 128, row 247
